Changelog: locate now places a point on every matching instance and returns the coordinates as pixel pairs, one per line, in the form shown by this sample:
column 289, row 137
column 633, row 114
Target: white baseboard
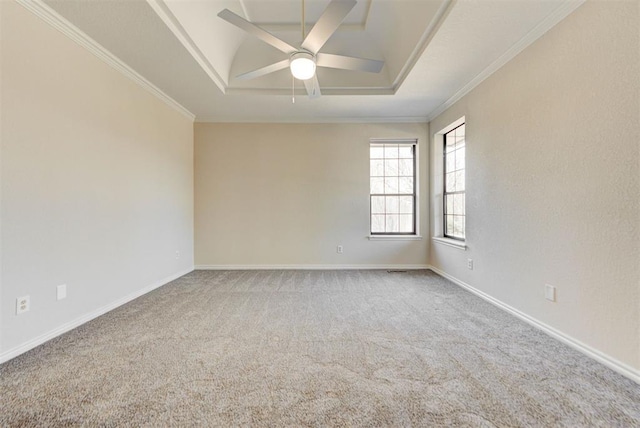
column 308, row 267
column 21, row 349
column 601, row 357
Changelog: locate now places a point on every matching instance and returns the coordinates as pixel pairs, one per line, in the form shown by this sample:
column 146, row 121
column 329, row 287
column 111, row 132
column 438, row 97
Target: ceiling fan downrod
column 302, row 22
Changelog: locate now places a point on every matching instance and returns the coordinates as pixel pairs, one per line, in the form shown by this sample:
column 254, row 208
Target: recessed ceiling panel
column 276, row 14
column 434, row 52
column 394, row 32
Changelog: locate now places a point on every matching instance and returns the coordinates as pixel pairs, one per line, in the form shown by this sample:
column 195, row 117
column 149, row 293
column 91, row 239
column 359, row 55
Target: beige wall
column 288, row 194
column 96, row 182
column 553, row 180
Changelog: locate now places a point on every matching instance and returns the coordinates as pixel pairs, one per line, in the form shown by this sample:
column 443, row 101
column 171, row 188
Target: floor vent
column 396, row 271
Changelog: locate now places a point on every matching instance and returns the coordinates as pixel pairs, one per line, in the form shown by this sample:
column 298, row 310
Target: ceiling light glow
column 303, row 65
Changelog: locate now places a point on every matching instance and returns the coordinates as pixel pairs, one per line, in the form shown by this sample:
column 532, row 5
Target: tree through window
column 393, row 188
column 454, row 183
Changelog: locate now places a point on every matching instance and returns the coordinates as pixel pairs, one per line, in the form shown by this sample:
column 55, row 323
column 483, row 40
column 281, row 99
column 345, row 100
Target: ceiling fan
column 303, row 60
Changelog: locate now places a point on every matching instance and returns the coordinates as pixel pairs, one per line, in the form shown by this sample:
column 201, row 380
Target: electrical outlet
column 22, row 304
column 470, row 264
column 177, row 255
column 61, row 291
column 340, row 249
column 550, row 292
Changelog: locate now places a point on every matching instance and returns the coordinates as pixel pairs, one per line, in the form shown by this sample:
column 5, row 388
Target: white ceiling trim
column 307, row 26
column 325, row 91
column 170, row 21
column 381, row 119
column 50, row 16
column 176, row 28
column 424, row 41
column 244, row 10
column 564, row 10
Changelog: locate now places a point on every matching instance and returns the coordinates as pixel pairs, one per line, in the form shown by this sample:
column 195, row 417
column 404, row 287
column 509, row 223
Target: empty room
column 320, row 213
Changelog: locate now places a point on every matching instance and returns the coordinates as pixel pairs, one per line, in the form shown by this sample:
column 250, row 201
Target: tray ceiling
column 434, row 50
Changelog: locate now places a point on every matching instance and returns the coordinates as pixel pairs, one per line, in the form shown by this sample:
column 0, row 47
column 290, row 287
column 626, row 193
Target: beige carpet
column 311, row 348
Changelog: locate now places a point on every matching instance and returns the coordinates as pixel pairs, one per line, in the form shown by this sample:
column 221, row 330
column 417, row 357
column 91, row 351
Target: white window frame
column 437, row 183
column 397, row 237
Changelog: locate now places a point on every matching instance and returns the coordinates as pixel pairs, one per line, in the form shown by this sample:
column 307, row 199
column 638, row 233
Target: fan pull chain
column 293, row 90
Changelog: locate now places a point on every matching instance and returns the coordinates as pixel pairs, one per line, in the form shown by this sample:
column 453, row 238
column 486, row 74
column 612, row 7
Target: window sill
column 394, row 237
column 461, row 245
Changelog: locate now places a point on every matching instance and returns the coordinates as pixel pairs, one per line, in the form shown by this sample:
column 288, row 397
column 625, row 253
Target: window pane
column 377, row 223
column 448, row 206
column 459, row 159
column 393, row 223
column 459, row 181
column 448, row 224
column 391, row 185
column 391, row 167
column 455, row 183
column 451, row 162
column 391, row 151
column 406, row 224
column 406, row 204
column 450, row 143
column 376, row 151
column 405, row 152
column 377, row 185
column 377, row 168
column 405, row 167
column 406, row 185
column 450, row 180
column 458, row 226
column 377, row 205
column 458, row 204
column 393, row 204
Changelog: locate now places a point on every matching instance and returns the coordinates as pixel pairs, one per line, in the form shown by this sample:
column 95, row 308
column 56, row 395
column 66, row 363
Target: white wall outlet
column 550, row 292
column 61, row 291
column 177, row 255
column 470, row 264
column 339, row 249
column 23, row 304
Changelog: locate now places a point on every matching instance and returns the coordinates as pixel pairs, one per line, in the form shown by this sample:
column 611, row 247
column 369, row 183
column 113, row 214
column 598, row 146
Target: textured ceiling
column 433, row 50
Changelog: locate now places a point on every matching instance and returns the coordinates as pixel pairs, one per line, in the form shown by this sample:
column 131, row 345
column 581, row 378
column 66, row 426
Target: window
column 393, row 188
column 454, row 183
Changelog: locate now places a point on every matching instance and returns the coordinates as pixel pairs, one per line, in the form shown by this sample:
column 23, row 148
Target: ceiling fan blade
column 349, row 63
column 328, row 23
column 313, row 87
column 254, row 30
column 264, row 70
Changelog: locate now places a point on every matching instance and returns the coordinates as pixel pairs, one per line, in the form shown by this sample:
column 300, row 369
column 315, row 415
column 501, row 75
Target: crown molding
column 51, row 17
column 564, row 10
column 178, row 30
column 282, row 26
column 243, row 5
column 315, row 120
column 424, row 41
column 301, row 91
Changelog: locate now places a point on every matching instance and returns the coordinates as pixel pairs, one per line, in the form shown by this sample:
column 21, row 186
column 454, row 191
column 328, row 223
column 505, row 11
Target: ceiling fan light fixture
column 303, row 65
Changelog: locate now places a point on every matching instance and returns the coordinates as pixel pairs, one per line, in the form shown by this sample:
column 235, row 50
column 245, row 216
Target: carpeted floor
column 311, row 348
